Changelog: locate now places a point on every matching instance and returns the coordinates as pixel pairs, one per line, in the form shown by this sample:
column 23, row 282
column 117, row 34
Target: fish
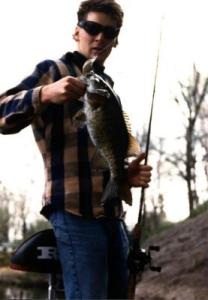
column 109, row 131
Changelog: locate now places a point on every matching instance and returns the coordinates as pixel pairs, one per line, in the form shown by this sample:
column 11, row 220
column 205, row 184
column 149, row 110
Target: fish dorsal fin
column 127, row 122
column 134, row 148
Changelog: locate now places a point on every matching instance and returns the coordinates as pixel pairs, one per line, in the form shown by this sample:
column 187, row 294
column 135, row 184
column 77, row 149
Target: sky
column 34, row 30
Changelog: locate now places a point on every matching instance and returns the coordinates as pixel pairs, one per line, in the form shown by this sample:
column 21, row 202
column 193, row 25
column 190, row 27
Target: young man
column 93, row 247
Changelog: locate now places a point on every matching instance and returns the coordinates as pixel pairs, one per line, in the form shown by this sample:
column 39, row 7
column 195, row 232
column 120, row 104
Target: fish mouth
column 100, row 92
column 97, row 50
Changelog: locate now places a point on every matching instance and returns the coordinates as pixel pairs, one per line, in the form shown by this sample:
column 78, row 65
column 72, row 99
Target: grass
column 20, row 278
column 200, row 209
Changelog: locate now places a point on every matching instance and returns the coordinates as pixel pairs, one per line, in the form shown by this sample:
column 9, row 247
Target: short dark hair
column 109, row 7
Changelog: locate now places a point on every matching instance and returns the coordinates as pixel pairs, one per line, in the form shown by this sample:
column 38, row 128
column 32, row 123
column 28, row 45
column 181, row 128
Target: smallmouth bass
column 109, row 132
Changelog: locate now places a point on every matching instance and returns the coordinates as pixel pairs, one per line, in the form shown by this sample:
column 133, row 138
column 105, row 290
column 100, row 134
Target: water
column 13, row 292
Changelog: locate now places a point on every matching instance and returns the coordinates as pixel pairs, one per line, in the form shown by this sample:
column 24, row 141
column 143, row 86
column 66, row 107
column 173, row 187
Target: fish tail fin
column 125, row 193
column 113, row 191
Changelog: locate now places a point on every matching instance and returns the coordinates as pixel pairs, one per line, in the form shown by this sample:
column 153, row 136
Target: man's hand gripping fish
column 109, row 133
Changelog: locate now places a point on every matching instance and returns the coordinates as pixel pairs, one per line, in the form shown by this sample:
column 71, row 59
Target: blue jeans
column 93, row 255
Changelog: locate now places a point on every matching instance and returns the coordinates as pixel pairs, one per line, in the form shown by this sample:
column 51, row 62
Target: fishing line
column 142, row 197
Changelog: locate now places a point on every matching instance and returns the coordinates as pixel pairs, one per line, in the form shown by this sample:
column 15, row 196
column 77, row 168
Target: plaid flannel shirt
column 71, row 183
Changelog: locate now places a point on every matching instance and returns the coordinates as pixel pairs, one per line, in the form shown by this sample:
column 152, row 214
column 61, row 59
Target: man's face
column 95, row 45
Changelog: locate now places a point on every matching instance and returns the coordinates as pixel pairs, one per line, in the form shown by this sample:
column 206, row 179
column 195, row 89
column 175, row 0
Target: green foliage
column 31, row 230
column 37, row 226
column 200, row 209
column 5, row 197
column 4, row 258
column 4, row 224
column 148, row 230
column 151, row 227
column 23, row 280
column 155, row 221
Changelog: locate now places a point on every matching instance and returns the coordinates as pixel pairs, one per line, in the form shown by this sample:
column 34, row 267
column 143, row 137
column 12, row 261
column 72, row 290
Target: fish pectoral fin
column 79, row 119
column 97, row 161
column 134, row 147
column 100, row 92
column 113, row 191
column 96, row 102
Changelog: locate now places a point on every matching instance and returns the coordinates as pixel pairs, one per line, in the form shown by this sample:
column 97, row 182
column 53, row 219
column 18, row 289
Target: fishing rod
column 138, row 257
column 142, row 197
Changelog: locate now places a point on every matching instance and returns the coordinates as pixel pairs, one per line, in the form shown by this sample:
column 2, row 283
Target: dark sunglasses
column 94, row 28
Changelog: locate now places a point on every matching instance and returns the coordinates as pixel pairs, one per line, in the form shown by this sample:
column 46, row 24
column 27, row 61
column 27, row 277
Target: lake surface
column 17, row 293
column 13, row 292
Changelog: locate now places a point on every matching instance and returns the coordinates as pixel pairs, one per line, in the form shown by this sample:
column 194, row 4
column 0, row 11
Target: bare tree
column 5, row 199
column 192, row 97
column 19, row 213
column 203, row 138
column 13, row 214
column 157, row 215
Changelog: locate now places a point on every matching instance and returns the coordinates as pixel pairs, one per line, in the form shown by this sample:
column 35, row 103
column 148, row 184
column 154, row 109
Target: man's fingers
column 137, row 162
column 141, row 157
column 145, row 168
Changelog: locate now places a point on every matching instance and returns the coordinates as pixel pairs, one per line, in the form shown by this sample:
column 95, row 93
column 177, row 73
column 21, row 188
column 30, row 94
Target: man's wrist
column 44, row 95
